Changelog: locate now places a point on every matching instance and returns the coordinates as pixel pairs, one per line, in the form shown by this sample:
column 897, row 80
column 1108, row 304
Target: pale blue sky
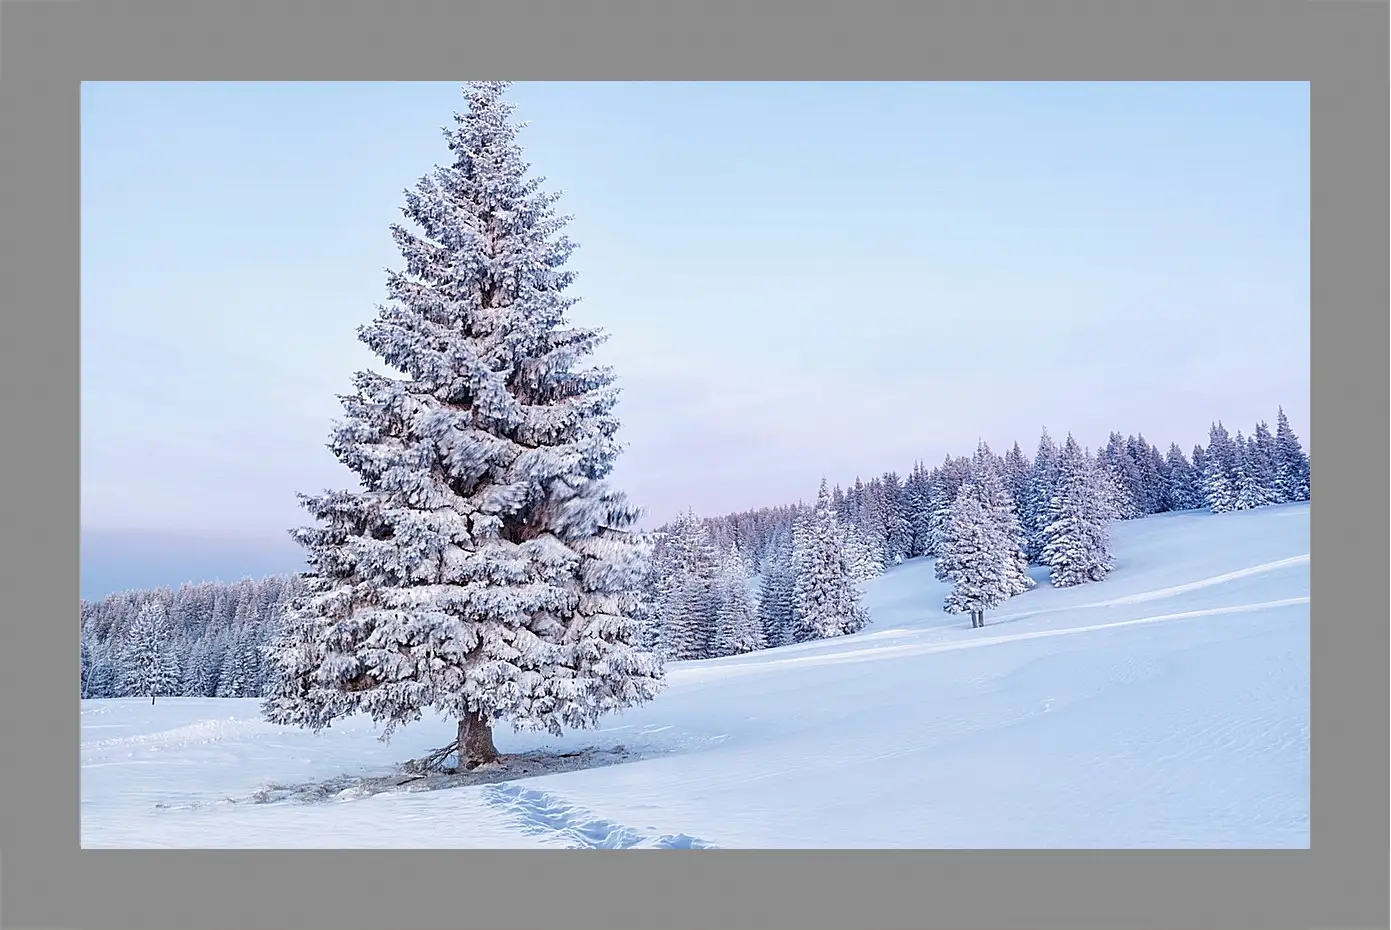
column 799, row 279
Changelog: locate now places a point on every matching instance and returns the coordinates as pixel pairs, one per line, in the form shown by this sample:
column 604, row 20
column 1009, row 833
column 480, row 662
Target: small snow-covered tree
column 183, row 655
column 1150, row 490
column 988, row 484
column 1249, row 477
column 103, row 678
column 801, row 549
column 1291, row 464
column 241, row 675
column 86, row 667
column 645, row 611
column 917, row 502
column 973, row 558
column 1149, row 475
column 1126, row 479
column 871, row 518
column 1043, row 481
column 1078, row 547
column 947, row 482
column 688, row 624
column 484, row 569
column 1182, row 483
column 1263, row 462
column 1219, row 470
column 737, row 629
column 231, row 679
column 898, row 528
column 195, row 673
column 775, row 602
column 1160, row 463
column 825, row 596
column 1018, row 470
column 686, row 603
column 150, row 665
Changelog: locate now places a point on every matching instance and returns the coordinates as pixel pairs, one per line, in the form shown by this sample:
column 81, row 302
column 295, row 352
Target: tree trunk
column 152, row 700
column 475, row 741
column 980, row 619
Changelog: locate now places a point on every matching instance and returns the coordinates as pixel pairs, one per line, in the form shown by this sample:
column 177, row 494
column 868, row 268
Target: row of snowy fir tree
column 708, row 602
column 1055, row 507
column 200, row 640
column 899, row 517
column 729, row 585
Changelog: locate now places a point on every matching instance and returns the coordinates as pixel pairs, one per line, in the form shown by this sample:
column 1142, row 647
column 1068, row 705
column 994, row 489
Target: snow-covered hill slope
column 1165, row 707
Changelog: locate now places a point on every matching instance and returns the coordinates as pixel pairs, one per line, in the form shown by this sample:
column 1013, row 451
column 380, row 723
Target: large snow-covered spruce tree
column 484, row 569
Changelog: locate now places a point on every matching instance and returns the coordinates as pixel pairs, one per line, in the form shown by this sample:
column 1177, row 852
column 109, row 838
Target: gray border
column 1340, row 47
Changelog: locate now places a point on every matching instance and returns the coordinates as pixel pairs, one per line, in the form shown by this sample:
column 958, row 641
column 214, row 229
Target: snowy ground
column 1165, row 707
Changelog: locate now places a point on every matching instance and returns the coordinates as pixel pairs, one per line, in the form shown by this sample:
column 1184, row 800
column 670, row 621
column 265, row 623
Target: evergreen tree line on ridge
column 741, row 582
column 985, row 518
column 199, row 640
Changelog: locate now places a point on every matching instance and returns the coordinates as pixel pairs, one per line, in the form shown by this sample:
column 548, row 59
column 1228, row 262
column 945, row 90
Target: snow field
column 1167, row 706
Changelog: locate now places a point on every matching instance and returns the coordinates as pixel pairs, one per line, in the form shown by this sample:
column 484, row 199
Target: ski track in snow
column 1160, row 593
column 1194, row 735
column 876, row 653
column 539, row 812
column 1175, row 590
